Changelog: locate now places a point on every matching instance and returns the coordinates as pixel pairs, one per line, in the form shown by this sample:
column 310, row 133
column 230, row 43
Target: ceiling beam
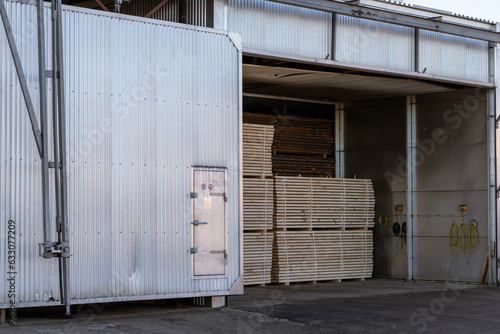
column 399, row 18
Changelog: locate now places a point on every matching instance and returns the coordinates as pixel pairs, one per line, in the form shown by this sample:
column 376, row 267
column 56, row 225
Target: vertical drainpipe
column 492, row 167
column 411, row 144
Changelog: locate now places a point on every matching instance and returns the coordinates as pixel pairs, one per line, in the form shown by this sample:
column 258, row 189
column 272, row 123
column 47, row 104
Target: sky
column 484, row 9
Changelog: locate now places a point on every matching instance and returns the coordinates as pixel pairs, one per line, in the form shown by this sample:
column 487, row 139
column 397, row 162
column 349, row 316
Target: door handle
column 196, row 223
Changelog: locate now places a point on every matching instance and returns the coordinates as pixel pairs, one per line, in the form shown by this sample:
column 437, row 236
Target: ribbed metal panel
column 274, row 27
column 367, row 42
column 453, row 56
column 196, row 12
column 168, row 12
column 20, row 173
column 136, row 125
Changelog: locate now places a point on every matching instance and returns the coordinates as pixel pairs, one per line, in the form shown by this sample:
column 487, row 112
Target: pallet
column 302, row 202
column 257, row 257
column 257, row 153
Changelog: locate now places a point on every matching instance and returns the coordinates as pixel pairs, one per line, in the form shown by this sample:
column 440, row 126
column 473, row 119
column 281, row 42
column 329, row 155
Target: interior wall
column 451, row 170
column 375, row 148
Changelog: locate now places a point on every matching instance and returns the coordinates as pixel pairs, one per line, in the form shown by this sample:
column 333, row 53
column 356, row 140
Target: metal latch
column 219, row 252
column 193, row 250
column 193, row 195
column 52, row 164
column 49, row 250
column 196, row 223
column 220, row 194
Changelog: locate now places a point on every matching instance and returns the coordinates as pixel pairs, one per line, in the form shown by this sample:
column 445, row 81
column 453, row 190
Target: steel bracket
column 52, row 164
column 49, row 250
column 193, row 250
column 193, row 195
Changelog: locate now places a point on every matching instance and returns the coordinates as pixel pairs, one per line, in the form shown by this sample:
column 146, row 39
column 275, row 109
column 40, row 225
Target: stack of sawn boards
column 322, row 229
column 301, row 145
column 299, row 229
column 257, row 203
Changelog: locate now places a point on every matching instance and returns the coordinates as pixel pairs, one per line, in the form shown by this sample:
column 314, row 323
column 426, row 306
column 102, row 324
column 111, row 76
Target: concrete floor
column 374, row 306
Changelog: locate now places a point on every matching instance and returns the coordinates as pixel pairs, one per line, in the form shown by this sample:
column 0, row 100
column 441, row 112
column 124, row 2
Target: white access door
column 209, row 222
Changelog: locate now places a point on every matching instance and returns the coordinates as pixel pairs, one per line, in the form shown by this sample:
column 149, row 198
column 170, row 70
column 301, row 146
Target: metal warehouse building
column 144, row 138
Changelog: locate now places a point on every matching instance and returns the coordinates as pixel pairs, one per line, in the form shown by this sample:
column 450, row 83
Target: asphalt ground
column 373, row 306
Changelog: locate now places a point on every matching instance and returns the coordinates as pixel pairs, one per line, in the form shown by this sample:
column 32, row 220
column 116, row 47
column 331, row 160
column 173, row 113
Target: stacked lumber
column 257, row 154
column 257, row 257
column 357, row 254
column 311, row 256
column 301, row 145
column 302, row 202
column 284, row 164
column 258, row 204
column 304, row 136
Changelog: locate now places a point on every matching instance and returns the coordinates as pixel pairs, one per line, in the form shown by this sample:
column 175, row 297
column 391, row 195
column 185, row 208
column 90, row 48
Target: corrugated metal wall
column 168, row 12
column 279, row 28
column 136, row 126
column 453, row 56
column 294, row 31
column 372, row 43
column 196, row 12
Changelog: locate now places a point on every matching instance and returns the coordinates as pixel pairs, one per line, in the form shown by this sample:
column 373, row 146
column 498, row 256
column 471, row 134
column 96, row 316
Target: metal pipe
column 22, row 78
column 47, row 237
column 63, row 170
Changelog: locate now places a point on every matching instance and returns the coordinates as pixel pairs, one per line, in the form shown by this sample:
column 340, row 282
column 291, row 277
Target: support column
column 339, row 140
column 219, row 13
column 411, row 144
column 492, row 275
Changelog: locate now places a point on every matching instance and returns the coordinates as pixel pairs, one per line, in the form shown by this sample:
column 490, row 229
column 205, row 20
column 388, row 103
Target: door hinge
column 193, row 250
column 193, row 195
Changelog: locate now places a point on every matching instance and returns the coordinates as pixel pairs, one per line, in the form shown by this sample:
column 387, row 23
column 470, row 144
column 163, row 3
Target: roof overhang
column 437, row 24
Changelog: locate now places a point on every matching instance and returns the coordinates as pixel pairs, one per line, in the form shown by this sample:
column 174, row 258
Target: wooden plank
column 482, row 275
column 257, row 262
column 304, row 256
